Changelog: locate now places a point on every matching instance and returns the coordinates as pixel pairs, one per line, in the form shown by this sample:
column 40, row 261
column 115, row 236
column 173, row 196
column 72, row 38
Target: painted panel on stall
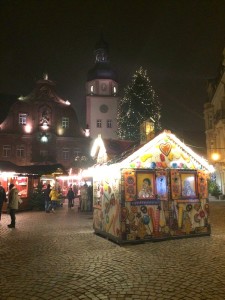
column 107, row 211
column 203, row 184
column 130, row 185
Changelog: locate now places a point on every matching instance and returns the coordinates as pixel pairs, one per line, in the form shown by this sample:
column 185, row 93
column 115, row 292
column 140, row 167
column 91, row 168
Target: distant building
column 102, row 95
column 41, row 128
column 214, row 115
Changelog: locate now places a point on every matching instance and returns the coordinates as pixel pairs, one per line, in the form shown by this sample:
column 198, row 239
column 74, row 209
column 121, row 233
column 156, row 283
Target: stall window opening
column 188, row 185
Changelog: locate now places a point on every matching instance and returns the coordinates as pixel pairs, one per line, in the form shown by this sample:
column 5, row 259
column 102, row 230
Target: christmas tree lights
column 140, row 103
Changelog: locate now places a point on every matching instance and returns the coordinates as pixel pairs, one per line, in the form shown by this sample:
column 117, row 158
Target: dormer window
column 22, row 119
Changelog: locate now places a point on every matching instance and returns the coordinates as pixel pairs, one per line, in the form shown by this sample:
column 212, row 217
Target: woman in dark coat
column 70, row 196
column 13, row 204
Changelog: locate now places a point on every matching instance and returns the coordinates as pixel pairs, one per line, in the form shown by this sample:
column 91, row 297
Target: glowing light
column 60, row 131
column 45, row 126
column 28, row 128
column 87, row 132
column 215, row 156
column 21, row 98
column 98, row 145
column 67, row 102
column 45, row 76
column 44, row 139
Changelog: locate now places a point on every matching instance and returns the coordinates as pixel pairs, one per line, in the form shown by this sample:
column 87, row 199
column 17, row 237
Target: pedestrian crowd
column 84, row 197
column 52, row 197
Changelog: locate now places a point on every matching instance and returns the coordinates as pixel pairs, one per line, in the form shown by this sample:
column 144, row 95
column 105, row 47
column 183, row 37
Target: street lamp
column 216, row 157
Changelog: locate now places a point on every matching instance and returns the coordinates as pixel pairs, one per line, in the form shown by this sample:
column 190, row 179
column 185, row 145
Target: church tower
column 102, row 95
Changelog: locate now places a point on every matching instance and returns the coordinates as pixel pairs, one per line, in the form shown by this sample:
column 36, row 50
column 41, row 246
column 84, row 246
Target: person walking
column 54, row 196
column 46, row 193
column 70, row 196
column 13, row 204
column 2, row 198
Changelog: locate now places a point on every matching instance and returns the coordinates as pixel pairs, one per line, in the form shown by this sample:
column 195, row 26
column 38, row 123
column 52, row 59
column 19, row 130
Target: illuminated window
column 114, row 90
column 20, row 152
column 92, row 89
column 109, row 123
column 65, row 122
column 22, row 119
column 99, row 123
column 65, row 154
column 6, row 150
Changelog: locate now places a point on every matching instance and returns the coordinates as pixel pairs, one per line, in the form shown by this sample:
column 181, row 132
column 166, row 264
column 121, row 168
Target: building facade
column 42, row 128
column 102, row 95
column 214, row 115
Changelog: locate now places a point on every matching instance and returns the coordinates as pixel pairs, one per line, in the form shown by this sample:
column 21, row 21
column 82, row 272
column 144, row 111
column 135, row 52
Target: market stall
column 157, row 192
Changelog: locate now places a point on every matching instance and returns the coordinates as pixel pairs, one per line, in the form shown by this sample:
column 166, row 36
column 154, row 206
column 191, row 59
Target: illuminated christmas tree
column 139, row 104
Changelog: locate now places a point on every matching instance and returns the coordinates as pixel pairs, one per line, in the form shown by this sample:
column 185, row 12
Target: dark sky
column 180, row 43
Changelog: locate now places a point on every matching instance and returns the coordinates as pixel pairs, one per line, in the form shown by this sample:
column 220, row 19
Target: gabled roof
column 115, row 147
column 162, row 152
column 103, row 149
column 6, row 101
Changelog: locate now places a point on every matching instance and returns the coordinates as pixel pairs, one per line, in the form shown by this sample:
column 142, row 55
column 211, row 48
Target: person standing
column 13, row 204
column 2, row 198
column 54, row 196
column 46, row 193
column 70, row 196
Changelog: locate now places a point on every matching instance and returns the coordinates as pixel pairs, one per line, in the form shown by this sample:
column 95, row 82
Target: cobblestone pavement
column 57, row 256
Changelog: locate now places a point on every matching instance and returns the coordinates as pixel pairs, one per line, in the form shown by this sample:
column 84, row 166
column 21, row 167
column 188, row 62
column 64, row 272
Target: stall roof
column 164, row 151
column 44, row 169
column 6, row 166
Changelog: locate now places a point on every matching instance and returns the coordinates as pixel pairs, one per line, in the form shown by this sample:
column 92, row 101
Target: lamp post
column 215, row 156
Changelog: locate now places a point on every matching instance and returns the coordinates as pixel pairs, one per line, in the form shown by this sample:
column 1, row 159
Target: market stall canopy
column 164, row 151
column 7, row 166
column 54, row 169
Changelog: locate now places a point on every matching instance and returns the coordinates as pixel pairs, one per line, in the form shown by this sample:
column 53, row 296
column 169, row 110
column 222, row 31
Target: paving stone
column 59, row 257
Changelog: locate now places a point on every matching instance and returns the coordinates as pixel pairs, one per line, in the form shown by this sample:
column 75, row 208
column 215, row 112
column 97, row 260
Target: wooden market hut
column 152, row 192
column 25, row 178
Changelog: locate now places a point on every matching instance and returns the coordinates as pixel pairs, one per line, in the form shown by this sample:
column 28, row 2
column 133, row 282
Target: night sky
column 179, row 43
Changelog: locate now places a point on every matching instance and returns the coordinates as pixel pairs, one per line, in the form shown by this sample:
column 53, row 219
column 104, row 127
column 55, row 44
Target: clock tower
column 102, row 95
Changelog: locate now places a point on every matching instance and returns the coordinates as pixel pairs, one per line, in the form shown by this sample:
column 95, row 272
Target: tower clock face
column 103, row 108
column 103, row 86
